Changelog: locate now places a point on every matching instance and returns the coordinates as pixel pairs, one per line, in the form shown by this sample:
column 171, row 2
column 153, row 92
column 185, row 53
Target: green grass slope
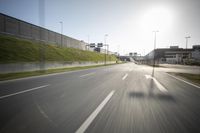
column 14, row 50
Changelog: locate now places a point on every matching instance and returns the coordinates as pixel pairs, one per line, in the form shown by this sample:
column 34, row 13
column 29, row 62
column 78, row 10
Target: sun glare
column 157, row 18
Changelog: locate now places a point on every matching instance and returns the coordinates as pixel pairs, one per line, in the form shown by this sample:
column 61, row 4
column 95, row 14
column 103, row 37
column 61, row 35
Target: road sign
column 98, row 49
column 92, row 45
column 100, row 45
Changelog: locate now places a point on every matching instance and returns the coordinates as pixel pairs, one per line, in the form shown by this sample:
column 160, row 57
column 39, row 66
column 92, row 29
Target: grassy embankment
column 195, row 78
column 13, row 50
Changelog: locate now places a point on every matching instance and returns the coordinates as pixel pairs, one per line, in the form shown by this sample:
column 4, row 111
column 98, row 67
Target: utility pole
column 186, row 45
column 61, row 33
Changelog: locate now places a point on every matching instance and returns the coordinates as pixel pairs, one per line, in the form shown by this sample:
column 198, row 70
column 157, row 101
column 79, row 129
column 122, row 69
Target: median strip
column 89, row 120
column 20, row 92
column 183, row 81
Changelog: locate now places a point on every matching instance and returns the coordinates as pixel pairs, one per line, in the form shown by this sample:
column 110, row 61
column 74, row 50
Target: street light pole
column 105, row 47
column 155, row 38
column 61, row 32
column 187, row 37
column 88, row 41
column 155, row 32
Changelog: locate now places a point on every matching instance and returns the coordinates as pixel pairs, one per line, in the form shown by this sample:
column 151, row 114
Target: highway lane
column 117, row 98
column 25, row 83
column 134, row 109
column 67, row 95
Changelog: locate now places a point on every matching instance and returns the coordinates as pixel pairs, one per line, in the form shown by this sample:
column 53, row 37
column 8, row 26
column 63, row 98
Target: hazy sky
column 128, row 23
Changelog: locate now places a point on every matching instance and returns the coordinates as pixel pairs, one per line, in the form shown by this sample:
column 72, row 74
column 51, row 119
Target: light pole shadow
column 152, row 96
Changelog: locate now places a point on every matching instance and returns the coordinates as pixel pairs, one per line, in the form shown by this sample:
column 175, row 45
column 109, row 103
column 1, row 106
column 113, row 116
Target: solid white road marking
column 87, row 74
column 160, row 86
column 184, row 81
column 13, row 94
column 125, row 76
column 89, row 120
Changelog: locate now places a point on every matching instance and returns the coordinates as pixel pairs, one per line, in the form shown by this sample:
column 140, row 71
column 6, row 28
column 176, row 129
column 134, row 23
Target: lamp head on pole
column 188, row 37
column 156, row 31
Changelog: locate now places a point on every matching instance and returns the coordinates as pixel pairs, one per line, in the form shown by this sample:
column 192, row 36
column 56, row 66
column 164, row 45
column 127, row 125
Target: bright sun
column 157, row 18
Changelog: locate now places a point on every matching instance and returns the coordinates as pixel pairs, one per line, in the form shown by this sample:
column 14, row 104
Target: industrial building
column 174, row 55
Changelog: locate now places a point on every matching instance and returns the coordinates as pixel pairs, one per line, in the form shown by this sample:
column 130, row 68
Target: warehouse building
column 174, row 55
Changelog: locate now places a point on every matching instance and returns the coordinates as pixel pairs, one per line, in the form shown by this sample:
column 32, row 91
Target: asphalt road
column 120, row 99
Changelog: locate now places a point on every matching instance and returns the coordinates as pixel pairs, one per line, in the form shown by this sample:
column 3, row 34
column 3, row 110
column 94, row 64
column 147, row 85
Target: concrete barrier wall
column 2, row 23
column 25, row 29
column 11, row 26
column 22, row 29
column 23, row 67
